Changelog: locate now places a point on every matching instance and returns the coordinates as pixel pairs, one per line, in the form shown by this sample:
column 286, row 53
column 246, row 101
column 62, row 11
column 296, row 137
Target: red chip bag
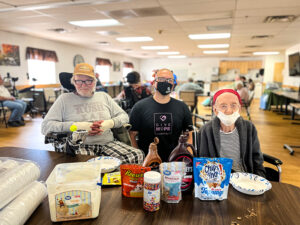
column 132, row 177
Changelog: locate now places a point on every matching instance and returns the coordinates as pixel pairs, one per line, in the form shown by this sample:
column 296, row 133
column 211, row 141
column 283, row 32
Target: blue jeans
column 17, row 107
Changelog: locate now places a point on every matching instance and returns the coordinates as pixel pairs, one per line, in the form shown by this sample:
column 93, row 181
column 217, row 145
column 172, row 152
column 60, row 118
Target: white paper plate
column 108, row 164
column 249, row 183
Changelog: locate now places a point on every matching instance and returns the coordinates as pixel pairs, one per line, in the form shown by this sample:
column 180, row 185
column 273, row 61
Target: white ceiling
column 168, row 22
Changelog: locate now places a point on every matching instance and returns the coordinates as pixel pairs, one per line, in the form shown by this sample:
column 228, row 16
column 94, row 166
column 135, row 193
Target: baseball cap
column 84, row 69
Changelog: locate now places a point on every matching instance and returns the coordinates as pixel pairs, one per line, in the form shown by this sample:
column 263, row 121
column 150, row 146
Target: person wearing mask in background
column 244, row 80
column 229, row 135
column 159, row 116
column 95, row 112
column 243, row 91
column 17, row 107
column 190, row 86
column 251, row 85
column 135, row 91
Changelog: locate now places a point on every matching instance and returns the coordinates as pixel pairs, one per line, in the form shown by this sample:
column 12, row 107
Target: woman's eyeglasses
column 86, row 82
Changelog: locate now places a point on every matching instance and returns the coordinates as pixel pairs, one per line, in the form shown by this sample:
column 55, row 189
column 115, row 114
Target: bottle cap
column 73, row 128
column 152, row 177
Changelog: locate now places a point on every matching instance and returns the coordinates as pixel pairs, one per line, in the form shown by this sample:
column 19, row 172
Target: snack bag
column 132, row 176
column 212, row 177
column 172, row 174
column 112, row 178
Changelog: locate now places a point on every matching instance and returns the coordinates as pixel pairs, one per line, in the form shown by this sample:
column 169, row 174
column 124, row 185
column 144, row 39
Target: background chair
column 247, row 104
column 3, row 111
column 49, row 97
column 189, row 98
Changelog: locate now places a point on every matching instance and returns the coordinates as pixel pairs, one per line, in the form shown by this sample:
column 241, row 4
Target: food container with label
column 74, row 191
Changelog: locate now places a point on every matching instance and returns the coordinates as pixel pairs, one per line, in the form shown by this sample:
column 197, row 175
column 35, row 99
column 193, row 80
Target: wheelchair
column 65, row 138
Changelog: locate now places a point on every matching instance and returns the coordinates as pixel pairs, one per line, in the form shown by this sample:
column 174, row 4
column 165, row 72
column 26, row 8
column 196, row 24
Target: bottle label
column 74, row 204
column 151, row 197
column 187, row 180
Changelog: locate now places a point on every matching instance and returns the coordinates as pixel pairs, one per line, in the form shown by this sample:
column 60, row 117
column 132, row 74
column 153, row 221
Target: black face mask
column 164, row 88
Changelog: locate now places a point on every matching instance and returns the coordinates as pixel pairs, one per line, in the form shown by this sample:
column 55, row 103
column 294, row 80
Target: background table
column 280, row 205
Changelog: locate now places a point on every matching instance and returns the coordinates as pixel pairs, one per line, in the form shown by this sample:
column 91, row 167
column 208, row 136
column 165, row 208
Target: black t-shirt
column 165, row 121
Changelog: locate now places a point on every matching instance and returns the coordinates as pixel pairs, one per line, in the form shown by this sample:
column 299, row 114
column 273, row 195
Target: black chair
column 3, row 111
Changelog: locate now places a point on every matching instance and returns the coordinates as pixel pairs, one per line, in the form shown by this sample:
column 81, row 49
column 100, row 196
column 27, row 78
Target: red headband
column 218, row 93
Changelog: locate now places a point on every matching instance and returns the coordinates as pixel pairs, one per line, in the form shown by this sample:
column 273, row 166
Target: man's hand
column 12, row 98
column 99, row 127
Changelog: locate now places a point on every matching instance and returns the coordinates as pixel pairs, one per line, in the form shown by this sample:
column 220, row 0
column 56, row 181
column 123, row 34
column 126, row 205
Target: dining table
column 280, row 205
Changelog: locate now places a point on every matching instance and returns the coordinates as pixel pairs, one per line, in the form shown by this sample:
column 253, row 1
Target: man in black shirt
column 159, row 116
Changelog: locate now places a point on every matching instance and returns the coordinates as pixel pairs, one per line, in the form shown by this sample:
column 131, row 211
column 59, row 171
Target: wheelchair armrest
column 272, row 160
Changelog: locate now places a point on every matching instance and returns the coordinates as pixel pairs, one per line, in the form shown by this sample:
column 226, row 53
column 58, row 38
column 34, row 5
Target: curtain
column 128, row 65
column 41, row 54
column 103, row 62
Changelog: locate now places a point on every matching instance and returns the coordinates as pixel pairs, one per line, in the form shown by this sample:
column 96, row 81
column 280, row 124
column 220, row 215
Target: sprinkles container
column 152, row 191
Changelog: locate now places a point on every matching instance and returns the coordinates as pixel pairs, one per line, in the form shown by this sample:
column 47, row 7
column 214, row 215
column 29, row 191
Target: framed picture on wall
column 9, row 55
column 116, row 66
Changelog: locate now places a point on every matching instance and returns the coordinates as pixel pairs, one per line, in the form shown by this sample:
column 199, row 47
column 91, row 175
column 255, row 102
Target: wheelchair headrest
column 65, row 80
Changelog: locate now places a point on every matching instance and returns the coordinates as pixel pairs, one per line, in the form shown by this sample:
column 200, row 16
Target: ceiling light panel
column 134, row 39
column 155, row 47
column 214, row 46
column 209, row 36
column 177, row 56
column 216, row 52
column 96, row 23
column 265, row 53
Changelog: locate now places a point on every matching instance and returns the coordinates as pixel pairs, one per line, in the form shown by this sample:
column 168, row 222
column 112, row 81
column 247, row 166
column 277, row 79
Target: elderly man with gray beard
column 93, row 111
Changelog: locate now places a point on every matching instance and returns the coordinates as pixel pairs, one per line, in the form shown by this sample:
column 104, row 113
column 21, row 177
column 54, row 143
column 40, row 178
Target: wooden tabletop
column 280, row 205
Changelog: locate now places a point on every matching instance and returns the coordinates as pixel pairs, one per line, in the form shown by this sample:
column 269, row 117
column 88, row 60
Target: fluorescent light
column 216, row 52
column 134, row 39
column 95, row 23
column 214, row 46
column 155, row 47
column 265, row 53
column 167, row 53
column 177, row 56
column 209, row 36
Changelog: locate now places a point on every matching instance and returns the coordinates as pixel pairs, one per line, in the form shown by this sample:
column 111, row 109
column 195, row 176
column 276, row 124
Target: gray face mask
column 164, row 88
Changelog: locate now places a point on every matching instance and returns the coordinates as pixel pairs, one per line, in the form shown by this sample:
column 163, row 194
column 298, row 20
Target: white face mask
column 228, row 120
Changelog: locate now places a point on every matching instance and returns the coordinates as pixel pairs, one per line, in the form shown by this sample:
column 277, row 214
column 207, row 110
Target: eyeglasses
column 163, row 79
column 86, row 82
column 224, row 107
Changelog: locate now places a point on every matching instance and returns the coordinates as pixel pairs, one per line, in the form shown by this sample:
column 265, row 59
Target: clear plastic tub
column 74, row 191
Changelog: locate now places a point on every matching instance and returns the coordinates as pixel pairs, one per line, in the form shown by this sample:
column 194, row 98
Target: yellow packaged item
column 112, row 179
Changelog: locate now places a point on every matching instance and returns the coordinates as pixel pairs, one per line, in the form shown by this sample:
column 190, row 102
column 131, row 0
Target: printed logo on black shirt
column 163, row 123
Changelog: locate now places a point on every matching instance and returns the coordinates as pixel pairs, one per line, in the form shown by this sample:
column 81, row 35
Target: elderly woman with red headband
column 229, row 135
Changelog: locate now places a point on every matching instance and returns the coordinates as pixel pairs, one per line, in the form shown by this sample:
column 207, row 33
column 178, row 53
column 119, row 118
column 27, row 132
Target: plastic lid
column 152, row 177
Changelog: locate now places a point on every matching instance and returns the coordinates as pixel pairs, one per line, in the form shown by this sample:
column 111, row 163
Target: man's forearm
column 132, row 135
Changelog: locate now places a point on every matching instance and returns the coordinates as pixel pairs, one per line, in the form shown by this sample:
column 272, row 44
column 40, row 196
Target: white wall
column 65, row 53
column 287, row 80
column 269, row 66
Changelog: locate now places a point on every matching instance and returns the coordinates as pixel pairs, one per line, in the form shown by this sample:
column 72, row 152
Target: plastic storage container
column 74, row 191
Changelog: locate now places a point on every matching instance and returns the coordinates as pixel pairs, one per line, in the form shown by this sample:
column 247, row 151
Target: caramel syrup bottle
column 152, row 159
column 182, row 154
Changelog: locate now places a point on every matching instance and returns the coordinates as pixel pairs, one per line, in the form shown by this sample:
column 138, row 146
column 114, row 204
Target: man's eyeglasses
column 224, row 107
column 163, row 79
column 86, row 82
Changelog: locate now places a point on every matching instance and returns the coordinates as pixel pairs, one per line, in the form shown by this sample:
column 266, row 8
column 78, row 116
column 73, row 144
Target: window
column 42, row 71
column 103, row 72
column 126, row 71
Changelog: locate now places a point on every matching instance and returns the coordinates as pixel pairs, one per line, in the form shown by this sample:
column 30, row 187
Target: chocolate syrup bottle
column 152, row 159
column 182, row 154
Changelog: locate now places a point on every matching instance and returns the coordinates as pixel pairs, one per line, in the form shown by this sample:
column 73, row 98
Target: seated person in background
column 99, row 86
column 251, row 85
column 17, row 107
column 244, row 80
column 93, row 111
column 243, row 92
column 135, row 91
column 229, row 135
column 159, row 116
column 190, row 86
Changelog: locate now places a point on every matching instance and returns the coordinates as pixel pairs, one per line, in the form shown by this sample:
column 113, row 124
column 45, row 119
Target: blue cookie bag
column 211, row 176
